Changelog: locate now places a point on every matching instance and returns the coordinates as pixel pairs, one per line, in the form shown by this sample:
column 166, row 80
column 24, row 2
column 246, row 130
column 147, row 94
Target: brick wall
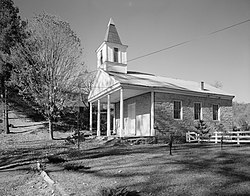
column 164, row 104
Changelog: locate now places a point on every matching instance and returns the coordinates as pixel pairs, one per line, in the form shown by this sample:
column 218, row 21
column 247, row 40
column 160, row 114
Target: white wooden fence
column 238, row 137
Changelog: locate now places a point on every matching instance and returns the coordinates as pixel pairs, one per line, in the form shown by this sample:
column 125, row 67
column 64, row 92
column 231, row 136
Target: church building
column 148, row 105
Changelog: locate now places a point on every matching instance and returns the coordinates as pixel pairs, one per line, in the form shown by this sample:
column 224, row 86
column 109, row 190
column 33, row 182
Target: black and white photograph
column 124, row 97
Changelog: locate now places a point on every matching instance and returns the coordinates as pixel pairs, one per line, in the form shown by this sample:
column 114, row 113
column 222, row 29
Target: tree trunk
column 6, row 121
column 51, row 128
column 6, row 114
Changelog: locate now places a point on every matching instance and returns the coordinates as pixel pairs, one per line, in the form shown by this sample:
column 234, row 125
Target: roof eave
column 179, row 91
column 108, row 90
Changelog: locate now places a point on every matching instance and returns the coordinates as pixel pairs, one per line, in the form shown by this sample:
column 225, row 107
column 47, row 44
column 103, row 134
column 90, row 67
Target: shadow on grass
column 228, row 169
column 198, row 165
column 12, row 158
column 59, row 138
column 73, row 167
column 203, row 166
column 103, row 151
column 32, row 131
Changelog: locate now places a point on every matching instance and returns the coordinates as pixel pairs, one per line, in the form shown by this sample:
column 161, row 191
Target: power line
column 173, row 46
column 185, row 42
column 234, row 25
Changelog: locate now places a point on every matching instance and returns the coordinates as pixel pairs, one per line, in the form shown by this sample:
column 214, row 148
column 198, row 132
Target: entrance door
column 131, row 119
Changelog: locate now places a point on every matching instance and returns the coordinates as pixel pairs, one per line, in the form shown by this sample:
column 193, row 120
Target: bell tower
column 112, row 54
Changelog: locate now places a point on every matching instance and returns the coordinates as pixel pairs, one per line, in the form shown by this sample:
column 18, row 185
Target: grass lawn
column 194, row 169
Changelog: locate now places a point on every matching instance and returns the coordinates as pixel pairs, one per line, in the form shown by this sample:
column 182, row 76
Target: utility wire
column 229, row 27
column 185, row 42
column 176, row 45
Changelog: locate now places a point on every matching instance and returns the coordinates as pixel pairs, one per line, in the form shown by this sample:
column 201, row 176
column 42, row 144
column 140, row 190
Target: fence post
column 238, row 138
column 188, row 137
column 216, row 137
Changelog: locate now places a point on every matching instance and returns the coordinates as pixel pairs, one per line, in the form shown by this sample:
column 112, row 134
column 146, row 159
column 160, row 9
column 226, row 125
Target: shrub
column 201, row 127
column 245, row 126
column 118, row 192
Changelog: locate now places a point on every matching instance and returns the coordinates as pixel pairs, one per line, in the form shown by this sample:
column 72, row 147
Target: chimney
column 202, row 85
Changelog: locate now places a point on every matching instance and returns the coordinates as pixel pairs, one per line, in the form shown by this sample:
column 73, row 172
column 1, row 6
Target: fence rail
column 238, row 137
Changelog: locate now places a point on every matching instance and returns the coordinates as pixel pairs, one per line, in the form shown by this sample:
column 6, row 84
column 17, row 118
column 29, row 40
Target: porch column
column 152, row 113
column 121, row 111
column 90, row 117
column 114, row 123
column 98, row 118
column 108, row 116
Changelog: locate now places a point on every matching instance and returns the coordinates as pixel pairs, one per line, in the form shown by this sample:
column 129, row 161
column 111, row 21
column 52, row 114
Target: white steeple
column 111, row 54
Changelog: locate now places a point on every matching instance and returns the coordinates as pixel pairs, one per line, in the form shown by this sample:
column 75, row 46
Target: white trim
column 107, row 54
column 108, row 90
column 114, row 120
column 115, row 45
column 180, row 92
column 90, row 117
column 98, row 133
column 111, row 45
column 100, row 47
column 121, row 112
column 115, row 87
column 181, row 112
column 108, row 115
column 152, row 113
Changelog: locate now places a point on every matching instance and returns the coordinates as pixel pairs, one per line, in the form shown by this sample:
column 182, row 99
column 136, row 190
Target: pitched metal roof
column 112, row 34
column 150, row 80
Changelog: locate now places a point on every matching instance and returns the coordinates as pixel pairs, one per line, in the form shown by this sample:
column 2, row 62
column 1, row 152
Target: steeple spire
column 112, row 54
column 111, row 22
column 112, row 34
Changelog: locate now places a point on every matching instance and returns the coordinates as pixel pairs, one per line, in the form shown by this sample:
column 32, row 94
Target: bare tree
column 84, row 85
column 217, row 84
column 48, row 64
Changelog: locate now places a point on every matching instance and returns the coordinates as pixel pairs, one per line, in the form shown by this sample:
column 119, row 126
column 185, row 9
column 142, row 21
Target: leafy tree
column 11, row 32
column 48, row 64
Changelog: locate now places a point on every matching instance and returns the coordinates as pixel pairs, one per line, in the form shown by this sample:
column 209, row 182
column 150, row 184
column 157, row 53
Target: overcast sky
column 150, row 25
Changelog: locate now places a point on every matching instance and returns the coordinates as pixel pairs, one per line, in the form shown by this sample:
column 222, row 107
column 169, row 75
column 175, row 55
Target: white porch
column 129, row 119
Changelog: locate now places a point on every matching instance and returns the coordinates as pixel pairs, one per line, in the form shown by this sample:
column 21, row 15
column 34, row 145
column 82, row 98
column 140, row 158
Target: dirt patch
column 20, row 182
